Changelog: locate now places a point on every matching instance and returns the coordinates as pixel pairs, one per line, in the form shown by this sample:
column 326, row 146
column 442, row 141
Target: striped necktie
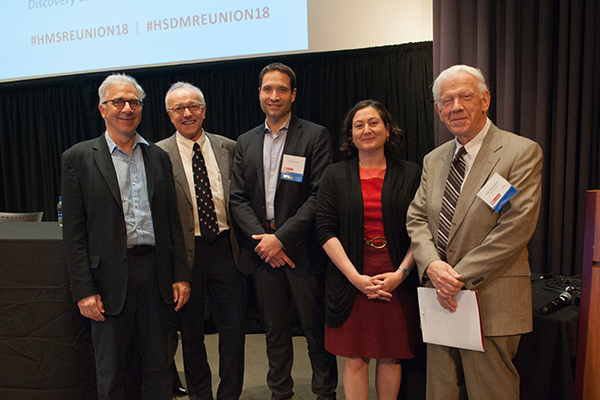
column 451, row 193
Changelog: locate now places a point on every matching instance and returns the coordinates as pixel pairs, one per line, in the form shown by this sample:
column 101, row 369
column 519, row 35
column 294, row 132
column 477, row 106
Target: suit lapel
column 150, row 164
column 486, row 160
column 256, row 149
column 220, row 154
column 294, row 134
column 104, row 162
column 178, row 170
column 222, row 158
column 439, row 175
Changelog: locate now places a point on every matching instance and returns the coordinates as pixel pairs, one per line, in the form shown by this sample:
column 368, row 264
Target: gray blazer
column 223, row 148
column 488, row 249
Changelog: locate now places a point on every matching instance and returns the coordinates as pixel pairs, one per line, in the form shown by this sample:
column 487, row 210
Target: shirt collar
column 112, row 145
column 187, row 145
column 474, row 145
column 285, row 126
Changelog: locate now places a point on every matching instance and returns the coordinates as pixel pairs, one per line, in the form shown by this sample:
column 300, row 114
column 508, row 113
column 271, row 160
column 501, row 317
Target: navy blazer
column 94, row 232
column 295, row 202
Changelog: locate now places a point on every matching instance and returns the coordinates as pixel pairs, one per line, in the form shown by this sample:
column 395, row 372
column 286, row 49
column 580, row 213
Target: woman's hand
column 365, row 284
column 389, row 280
column 386, row 282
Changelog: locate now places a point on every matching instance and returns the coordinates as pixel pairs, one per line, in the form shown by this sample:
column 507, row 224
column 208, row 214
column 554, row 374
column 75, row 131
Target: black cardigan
column 340, row 214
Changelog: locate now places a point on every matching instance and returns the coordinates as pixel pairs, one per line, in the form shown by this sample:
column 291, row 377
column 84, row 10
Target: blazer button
column 191, row 228
column 477, row 282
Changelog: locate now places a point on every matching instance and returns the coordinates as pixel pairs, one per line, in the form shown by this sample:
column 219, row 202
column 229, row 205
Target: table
column 546, row 356
column 545, row 359
column 45, row 344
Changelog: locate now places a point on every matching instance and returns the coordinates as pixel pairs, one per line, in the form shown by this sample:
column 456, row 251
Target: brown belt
column 378, row 242
column 271, row 225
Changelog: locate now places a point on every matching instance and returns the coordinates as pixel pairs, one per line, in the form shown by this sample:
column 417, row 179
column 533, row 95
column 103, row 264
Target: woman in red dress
column 372, row 309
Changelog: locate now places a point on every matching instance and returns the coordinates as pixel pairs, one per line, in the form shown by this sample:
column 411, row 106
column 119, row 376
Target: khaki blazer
column 223, row 148
column 487, row 248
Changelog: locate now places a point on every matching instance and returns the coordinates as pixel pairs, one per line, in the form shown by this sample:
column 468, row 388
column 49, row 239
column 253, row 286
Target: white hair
column 117, row 79
column 185, row 85
column 447, row 73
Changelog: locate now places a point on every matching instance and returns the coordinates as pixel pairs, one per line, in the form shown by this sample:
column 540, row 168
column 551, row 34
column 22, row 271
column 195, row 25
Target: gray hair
column 185, row 85
column 447, row 73
column 119, row 79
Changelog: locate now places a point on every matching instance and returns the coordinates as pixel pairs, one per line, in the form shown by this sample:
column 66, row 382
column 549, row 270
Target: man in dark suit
column 211, row 259
column 276, row 174
column 124, row 243
column 481, row 248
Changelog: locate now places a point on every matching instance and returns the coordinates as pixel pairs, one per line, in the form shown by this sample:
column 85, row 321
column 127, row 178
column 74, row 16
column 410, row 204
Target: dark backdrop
column 542, row 61
column 39, row 119
column 541, row 58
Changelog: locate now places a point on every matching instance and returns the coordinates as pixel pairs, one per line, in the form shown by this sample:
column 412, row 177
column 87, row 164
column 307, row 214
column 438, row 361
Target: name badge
column 496, row 192
column 292, row 168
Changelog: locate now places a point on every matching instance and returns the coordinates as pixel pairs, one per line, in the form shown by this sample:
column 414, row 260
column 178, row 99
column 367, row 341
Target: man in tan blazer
column 486, row 250
column 212, row 258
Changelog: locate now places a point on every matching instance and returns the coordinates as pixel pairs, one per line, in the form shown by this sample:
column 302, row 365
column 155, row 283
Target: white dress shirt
column 186, row 152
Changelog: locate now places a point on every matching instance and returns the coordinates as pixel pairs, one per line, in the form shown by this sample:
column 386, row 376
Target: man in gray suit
column 480, row 248
column 212, row 256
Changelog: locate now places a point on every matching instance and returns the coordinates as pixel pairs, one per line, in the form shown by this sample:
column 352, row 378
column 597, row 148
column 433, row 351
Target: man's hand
column 269, row 246
column 281, row 259
column 92, row 307
column 449, row 304
column 444, row 278
column 181, row 294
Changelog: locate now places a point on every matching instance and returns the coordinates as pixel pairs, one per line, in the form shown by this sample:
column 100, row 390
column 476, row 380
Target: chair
column 21, row 217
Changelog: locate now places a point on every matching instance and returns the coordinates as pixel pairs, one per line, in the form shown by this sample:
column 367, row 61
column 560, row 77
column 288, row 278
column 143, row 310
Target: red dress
column 376, row 328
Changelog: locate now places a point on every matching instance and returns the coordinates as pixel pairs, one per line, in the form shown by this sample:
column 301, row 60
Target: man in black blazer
column 124, row 243
column 275, row 178
column 212, row 261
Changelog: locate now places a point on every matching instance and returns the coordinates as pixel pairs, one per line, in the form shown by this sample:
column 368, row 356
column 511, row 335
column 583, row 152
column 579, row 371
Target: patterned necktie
column 451, row 193
column 206, row 208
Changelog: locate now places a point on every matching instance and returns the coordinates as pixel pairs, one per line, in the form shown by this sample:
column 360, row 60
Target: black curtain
column 541, row 59
column 39, row 119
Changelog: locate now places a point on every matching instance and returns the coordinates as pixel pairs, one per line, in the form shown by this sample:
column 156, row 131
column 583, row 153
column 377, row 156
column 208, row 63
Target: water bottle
column 59, row 209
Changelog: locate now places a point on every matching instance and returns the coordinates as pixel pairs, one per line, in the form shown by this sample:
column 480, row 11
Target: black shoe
column 179, row 392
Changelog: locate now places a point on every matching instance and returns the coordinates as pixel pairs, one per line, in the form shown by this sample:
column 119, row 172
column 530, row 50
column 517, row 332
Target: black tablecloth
column 546, row 357
column 45, row 345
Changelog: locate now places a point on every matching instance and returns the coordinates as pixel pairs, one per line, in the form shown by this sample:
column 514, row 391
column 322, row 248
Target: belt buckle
column 372, row 242
column 271, row 225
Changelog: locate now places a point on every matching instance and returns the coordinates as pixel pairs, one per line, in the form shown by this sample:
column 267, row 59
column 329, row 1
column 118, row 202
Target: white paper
column 461, row 329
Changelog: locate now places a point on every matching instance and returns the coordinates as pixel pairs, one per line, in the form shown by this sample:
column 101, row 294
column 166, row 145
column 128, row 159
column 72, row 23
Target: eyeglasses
column 119, row 103
column 194, row 108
